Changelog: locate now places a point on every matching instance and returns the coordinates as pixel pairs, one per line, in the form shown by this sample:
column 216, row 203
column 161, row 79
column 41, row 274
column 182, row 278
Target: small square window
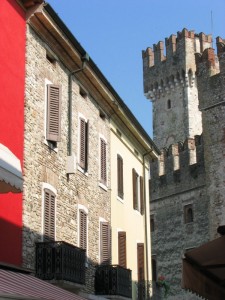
column 83, row 93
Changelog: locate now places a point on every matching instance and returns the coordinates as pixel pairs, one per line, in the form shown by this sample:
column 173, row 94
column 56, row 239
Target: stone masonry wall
column 178, row 180
column 211, row 86
column 44, row 165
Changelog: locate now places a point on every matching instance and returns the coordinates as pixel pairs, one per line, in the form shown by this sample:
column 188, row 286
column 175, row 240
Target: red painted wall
column 12, row 80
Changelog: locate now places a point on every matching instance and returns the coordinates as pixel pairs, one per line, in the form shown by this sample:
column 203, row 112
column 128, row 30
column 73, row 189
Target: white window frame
column 46, row 142
column 84, row 208
column 52, row 189
column 80, row 116
column 103, row 186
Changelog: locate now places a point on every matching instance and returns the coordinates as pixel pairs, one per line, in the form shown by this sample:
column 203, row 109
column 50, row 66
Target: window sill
column 103, row 186
column 82, row 171
column 120, row 199
column 55, row 149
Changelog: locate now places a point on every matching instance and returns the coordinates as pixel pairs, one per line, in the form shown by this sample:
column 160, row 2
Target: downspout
column 146, row 221
column 84, row 59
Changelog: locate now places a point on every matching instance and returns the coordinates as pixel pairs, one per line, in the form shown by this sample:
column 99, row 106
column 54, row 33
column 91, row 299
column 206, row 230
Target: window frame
column 122, row 249
column 49, row 142
column 103, row 178
column 83, row 242
column 187, row 218
column 120, row 177
column 102, row 243
column 138, row 192
column 83, row 165
column 46, row 186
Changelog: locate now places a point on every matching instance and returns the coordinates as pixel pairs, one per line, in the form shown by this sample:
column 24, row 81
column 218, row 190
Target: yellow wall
column 123, row 216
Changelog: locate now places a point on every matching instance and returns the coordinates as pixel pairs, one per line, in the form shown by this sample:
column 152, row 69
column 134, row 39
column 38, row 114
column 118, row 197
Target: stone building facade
column 56, row 166
column 185, row 96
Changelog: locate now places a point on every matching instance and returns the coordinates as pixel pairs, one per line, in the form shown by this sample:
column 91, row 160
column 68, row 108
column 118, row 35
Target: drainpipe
column 84, row 60
column 146, row 220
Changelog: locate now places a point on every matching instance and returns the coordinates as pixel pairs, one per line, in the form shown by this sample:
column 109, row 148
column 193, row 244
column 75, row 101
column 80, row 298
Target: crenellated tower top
column 170, row 83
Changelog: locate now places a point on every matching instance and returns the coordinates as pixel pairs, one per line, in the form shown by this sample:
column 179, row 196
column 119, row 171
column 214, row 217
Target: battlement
column 210, row 74
column 181, row 160
column 176, row 66
column 208, row 59
column 153, row 57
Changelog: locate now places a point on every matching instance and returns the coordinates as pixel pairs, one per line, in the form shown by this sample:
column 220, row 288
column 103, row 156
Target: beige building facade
column 131, row 152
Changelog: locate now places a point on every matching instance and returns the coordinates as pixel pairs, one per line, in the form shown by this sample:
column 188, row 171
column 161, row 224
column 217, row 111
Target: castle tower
column 170, row 83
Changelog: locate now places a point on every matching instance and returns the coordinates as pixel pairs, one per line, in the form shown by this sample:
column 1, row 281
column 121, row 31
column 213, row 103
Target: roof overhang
column 10, row 172
column 22, row 285
column 204, row 270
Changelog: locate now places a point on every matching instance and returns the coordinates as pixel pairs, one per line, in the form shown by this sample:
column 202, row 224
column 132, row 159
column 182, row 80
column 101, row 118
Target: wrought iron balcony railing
column 60, row 261
column 113, row 280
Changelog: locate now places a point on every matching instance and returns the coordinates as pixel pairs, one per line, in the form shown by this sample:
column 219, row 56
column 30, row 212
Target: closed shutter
column 53, row 113
column 83, row 230
column 142, row 195
column 120, row 176
column 140, row 261
column 83, row 143
column 49, row 215
column 122, row 252
column 105, row 243
column 135, row 190
column 103, row 171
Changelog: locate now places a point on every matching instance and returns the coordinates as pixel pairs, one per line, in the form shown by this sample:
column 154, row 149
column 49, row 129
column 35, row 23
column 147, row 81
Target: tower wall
column 177, row 182
column 211, row 86
column 170, row 83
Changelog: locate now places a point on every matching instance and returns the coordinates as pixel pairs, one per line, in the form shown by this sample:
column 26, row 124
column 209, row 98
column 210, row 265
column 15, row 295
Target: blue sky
column 115, row 32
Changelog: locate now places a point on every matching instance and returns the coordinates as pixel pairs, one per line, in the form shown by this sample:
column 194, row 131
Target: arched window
column 188, row 214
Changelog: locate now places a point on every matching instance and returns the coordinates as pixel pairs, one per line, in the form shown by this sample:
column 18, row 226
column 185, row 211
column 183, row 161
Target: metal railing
column 60, row 261
column 113, row 280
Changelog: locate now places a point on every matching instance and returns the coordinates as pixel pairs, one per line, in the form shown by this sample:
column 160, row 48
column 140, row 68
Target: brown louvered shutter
column 120, row 176
column 135, row 190
column 54, row 113
column 103, row 178
column 83, row 230
column 122, row 252
column 83, row 143
column 140, row 261
column 49, row 215
column 142, row 195
column 105, row 243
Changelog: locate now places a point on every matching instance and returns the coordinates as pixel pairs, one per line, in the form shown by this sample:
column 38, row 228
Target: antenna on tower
column 212, row 26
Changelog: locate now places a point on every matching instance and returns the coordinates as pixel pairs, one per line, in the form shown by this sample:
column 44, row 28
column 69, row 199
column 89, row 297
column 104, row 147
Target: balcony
column 113, row 280
column 60, row 263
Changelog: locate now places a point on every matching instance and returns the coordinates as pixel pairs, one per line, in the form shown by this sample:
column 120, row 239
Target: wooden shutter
column 83, row 143
column 120, row 176
column 142, row 195
column 105, row 243
column 122, row 252
column 53, row 113
column 135, row 190
column 140, row 261
column 103, row 170
column 83, row 229
column 49, row 215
